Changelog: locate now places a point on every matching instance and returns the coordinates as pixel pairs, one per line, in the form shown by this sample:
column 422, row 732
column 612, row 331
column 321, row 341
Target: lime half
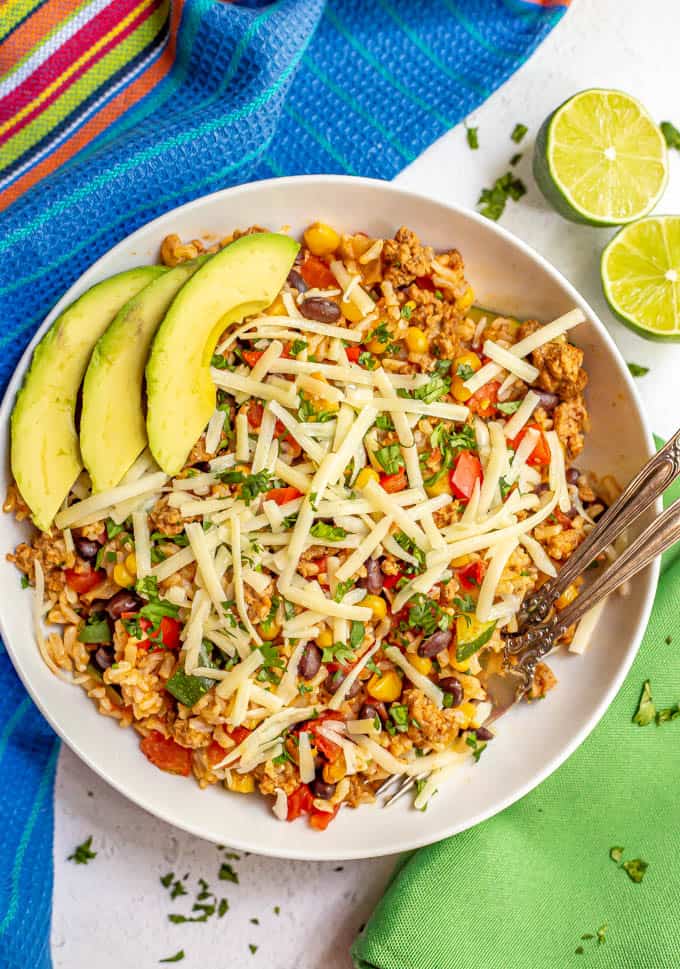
column 641, row 276
column 601, row 159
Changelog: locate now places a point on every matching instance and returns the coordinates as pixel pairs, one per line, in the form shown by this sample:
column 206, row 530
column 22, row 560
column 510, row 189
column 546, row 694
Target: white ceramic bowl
column 531, row 742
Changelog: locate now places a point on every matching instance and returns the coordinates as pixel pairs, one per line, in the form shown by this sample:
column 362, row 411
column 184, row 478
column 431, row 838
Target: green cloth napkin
column 520, row 890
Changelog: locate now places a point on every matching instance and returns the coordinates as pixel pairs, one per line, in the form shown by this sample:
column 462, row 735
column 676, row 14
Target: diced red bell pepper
column 251, row 356
column 540, row 456
column 316, row 273
column 299, row 802
column 215, row 753
column 394, row 482
column 353, row 354
column 282, row 495
column 472, row 575
column 483, row 401
column 327, row 748
column 82, row 582
column 165, row 754
column 425, row 282
column 165, row 636
column 466, row 471
column 239, row 734
column 255, row 411
column 319, row 820
column 389, row 581
column 564, row 520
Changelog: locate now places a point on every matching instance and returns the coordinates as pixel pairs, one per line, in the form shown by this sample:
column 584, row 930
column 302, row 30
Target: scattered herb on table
column 277, row 910
column 253, row 948
column 472, row 137
column 646, row 710
column 227, row 873
column 671, row 134
column 602, row 934
column 518, row 132
column 668, row 640
column 616, row 853
column 637, row 370
column 516, row 158
column 83, row 853
column 178, row 956
column 635, row 868
column 492, row 200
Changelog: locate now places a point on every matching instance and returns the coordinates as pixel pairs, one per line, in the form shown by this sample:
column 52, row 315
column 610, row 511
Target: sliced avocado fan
column 45, row 455
column 243, row 278
column 113, row 420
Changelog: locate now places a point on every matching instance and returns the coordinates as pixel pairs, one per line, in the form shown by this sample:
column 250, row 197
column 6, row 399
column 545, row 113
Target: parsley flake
column 389, row 458
column 227, row 873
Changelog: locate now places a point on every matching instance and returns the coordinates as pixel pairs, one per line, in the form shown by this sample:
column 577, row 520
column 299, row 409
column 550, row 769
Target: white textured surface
column 114, row 910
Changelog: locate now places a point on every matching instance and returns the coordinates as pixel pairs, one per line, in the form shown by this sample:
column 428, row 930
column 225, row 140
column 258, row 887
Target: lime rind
column 573, row 172
column 640, row 269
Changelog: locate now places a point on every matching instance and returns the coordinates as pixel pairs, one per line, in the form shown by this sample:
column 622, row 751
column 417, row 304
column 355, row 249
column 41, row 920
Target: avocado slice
column 45, row 455
column 243, row 278
column 113, row 422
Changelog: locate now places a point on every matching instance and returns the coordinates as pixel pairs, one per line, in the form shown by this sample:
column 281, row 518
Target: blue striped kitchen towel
column 113, row 112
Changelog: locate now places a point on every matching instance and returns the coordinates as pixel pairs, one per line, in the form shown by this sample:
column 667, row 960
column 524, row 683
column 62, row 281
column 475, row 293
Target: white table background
column 113, row 912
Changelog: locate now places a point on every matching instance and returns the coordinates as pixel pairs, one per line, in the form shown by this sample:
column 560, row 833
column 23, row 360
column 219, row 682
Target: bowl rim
column 90, row 276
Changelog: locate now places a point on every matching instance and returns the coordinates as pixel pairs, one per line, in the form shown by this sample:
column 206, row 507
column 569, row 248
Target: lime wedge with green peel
column 601, row 159
column 641, row 276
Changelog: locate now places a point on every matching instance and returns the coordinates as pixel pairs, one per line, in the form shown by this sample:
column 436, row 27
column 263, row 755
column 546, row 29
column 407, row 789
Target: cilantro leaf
column 399, row 715
column 83, row 853
column 178, row 956
column 426, row 615
column 367, row 360
column 342, row 589
column 636, row 370
column 508, row 406
column 518, row 132
column 227, row 873
column 297, row 347
column 515, row 160
column 436, row 387
column 357, row 633
column 671, row 134
column 646, row 710
column 492, row 200
column 472, row 137
column 384, row 422
column 333, row 533
column 96, row 629
column 337, row 653
column 390, row 458
column 464, row 371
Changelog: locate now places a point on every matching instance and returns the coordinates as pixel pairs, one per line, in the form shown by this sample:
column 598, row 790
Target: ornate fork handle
column 537, row 641
column 640, row 494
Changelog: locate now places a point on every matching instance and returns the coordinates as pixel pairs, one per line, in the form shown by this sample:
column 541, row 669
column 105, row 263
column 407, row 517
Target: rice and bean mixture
column 315, row 601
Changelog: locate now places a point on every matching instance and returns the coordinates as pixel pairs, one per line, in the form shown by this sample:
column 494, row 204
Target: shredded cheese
column 363, row 551
column 492, row 577
column 140, row 529
column 538, row 554
column 431, row 691
column 510, row 361
column 261, row 368
column 232, row 381
column 103, row 500
column 521, row 415
column 306, row 760
column 237, row 569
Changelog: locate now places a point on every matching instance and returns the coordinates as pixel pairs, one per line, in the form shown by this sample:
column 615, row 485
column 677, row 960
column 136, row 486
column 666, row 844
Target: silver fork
column 538, row 634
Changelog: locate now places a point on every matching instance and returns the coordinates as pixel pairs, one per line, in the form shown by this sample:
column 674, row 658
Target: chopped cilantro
column 451, row 441
column 635, row 869
column 516, row 159
column 646, row 710
column 668, row 713
column 83, row 853
column 166, row 880
column 671, row 134
column 337, row 653
column 96, row 629
column 253, row 948
column 374, row 668
column 636, row 370
column 219, row 361
column 616, row 853
column 518, row 132
column 24, row 582
column 426, row 615
column 406, row 311
column 112, row 529
column 356, row 634
column 508, row 406
column 436, row 387
column 367, row 360
column 342, row 589
column 464, row 371
column 222, row 908
column 390, row 458
column 277, row 910
column 399, row 715
column 492, row 200
column 472, row 137
column 306, row 411
column 178, row 956
column 504, row 488
column 384, row 422
column 334, row 533
column 408, row 545
column 477, row 748
column 254, row 485
column 254, row 921
column 227, row 873
column 147, row 587
column 602, row 934
column 381, row 334
column 297, row 347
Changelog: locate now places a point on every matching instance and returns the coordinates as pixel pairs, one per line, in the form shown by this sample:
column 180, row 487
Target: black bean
column 336, row 678
column 86, row 548
column 573, row 474
column 319, row 309
column 370, row 711
column 202, row 466
column 453, row 687
column 435, row 643
column 310, row 661
column 103, row 657
column 123, row 601
column 322, row 789
column 483, row 733
column 296, row 281
column 547, row 400
column 374, row 578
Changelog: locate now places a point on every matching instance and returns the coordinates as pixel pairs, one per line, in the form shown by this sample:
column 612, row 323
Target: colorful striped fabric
column 114, row 111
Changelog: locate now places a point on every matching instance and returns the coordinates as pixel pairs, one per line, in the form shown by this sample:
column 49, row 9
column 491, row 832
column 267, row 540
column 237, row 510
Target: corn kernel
column 366, row 475
column 335, row 771
column 459, row 391
column 324, row 639
column 461, row 666
column 386, row 688
column 321, row 239
column 461, row 561
column 269, row 631
column 464, row 302
column 241, row 783
column 416, row 340
column 376, row 604
column 375, row 346
column 131, row 563
column 421, row 663
column 441, row 486
column 567, row 597
column 277, row 308
column 350, row 311
column 122, row 577
column 468, row 359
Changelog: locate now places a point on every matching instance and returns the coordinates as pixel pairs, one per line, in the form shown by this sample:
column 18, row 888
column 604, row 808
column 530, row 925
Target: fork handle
column 663, row 532
column 643, row 490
